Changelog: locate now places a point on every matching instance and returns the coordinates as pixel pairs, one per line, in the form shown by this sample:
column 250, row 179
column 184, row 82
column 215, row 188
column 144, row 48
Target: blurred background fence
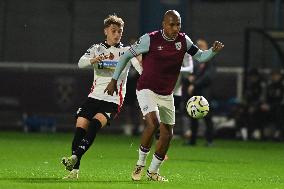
column 59, row 31
column 42, row 40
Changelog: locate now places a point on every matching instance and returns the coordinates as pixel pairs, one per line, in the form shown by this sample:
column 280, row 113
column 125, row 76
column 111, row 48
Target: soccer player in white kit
column 100, row 108
column 162, row 53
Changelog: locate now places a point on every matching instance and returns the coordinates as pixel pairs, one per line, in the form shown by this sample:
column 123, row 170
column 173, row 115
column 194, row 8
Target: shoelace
column 156, row 176
column 138, row 169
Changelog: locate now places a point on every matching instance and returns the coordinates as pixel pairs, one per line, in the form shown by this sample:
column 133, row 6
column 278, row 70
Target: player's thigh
column 85, row 113
column 147, row 101
column 152, row 120
column 106, row 112
column 88, row 109
column 166, row 109
column 167, row 116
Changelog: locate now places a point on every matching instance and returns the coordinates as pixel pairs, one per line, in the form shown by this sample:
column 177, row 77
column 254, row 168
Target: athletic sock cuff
column 159, row 157
column 96, row 123
column 143, row 149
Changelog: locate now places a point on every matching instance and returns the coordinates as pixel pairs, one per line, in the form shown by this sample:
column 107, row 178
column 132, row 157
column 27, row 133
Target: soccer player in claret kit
column 100, row 108
column 162, row 53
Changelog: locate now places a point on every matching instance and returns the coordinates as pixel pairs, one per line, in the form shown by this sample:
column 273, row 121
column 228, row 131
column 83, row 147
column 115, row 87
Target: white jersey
column 104, row 70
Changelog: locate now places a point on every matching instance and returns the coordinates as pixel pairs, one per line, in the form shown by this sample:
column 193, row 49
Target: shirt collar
column 165, row 37
column 118, row 45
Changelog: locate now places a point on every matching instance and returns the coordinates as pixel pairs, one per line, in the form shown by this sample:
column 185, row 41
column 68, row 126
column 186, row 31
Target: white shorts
column 152, row 102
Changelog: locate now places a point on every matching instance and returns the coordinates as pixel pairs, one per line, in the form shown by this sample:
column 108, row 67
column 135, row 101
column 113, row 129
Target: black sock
column 78, row 136
column 87, row 141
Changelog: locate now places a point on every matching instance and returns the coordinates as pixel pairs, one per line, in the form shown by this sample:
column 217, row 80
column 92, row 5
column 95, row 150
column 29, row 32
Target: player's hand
column 98, row 59
column 111, row 87
column 217, row 46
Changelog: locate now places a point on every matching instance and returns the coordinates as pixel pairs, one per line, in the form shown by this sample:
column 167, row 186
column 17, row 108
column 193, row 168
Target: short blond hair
column 113, row 19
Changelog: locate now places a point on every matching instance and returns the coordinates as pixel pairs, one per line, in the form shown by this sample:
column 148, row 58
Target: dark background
column 41, row 42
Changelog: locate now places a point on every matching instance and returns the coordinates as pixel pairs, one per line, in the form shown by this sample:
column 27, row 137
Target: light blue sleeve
column 204, row 56
column 196, row 53
column 141, row 46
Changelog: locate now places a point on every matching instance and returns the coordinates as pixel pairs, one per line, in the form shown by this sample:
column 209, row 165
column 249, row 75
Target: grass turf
column 33, row 161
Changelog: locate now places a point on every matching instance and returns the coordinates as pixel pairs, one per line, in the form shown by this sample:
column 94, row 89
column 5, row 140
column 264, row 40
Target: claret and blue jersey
column 162, row 60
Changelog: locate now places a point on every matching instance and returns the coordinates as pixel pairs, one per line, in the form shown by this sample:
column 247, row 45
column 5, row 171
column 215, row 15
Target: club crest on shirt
column 178, row 45
column 111, row 56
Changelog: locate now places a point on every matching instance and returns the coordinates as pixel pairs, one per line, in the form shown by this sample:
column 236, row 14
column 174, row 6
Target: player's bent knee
column 82, row 123
column 101, row 117
column 152, row 120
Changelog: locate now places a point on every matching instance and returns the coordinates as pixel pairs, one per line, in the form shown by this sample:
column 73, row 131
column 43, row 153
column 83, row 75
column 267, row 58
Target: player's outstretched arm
column 86, row 61
column 206, row 55
column 202, row 55
column 123, row 60
column 90, row 57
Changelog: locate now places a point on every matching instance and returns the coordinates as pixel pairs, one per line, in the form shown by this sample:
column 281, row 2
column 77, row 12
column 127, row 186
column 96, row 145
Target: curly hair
column 113, row 19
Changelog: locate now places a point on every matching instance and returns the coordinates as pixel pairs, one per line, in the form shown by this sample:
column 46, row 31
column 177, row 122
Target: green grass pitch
column 33, row 161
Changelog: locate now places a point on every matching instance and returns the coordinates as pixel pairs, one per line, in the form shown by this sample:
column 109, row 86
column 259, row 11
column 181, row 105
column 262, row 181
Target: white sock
column 142, row 158
column 155, row 164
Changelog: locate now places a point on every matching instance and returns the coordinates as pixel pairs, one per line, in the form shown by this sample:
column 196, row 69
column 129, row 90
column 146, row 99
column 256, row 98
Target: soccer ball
column 197, row 107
